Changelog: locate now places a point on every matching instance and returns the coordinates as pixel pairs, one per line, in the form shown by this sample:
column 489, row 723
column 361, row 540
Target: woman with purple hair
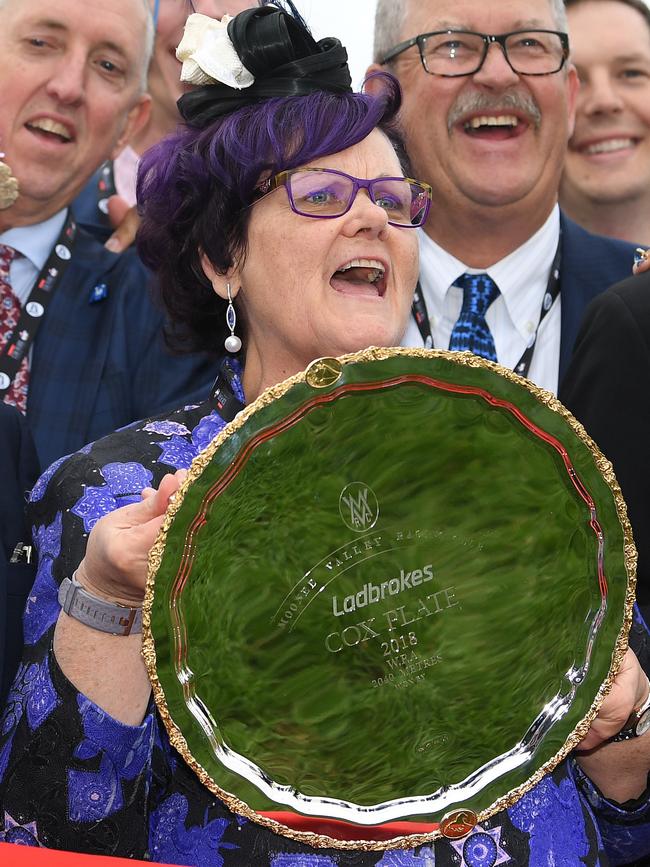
column 280, row 223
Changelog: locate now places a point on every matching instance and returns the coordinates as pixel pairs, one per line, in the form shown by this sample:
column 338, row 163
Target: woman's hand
column 115, row 565
column 125, row 222
column 629, row 690
column 642, row 261
column 620, row 769
column 109, row 669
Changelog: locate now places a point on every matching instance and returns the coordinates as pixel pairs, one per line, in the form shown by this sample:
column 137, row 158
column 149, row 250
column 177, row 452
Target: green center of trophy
column 389, row 588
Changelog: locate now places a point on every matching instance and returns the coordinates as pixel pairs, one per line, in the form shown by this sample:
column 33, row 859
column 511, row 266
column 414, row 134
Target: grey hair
column 390, row 15
column 149, row 40
column 559, row 14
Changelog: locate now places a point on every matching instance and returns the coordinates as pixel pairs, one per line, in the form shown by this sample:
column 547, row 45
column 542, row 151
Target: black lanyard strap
column 222, row 393
column 421, row 315
column 33, row 311
column 105, row 186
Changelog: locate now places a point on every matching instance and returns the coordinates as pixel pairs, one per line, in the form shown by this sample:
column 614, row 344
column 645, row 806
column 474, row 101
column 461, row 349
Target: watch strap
column 98, row 613
column 638, row 723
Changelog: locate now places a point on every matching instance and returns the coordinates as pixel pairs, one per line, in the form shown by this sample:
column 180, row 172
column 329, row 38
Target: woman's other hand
column 629, row 690
column 115, row 565
column 620, row 769
column 125, row 222
column 641, row 261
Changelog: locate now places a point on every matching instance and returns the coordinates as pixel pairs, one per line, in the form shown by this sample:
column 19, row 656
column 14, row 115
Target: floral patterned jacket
column 71, row 777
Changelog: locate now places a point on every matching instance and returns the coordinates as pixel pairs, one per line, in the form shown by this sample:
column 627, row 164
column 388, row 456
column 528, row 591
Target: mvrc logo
column 358, row 507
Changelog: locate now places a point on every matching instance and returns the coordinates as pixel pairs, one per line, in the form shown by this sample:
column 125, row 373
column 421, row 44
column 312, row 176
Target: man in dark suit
column 18, row 471
column 606, row 387
column 486, row 120
column 73, row 94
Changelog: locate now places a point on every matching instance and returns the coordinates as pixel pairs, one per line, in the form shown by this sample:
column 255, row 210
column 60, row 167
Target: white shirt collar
column 439, row 270
column 35, row 242
column 523, row 268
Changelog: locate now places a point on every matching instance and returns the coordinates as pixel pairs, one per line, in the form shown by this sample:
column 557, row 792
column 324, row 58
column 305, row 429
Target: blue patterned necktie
column 471, row 332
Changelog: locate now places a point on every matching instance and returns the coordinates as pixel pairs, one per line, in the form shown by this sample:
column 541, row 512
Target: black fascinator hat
column 282, row 56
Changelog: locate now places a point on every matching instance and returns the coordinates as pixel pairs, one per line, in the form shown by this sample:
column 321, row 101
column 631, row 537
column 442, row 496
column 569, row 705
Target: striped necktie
column 471, row 332
column 9, row 316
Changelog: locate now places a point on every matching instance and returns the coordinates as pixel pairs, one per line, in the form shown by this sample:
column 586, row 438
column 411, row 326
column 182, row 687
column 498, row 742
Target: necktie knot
column 471, row 332
column 7, row 255
column 479, row 291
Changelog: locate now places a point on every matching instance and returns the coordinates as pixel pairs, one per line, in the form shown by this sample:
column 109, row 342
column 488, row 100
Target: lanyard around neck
column 105, row 186
column 33, row 311
column 223, row 393
column 421, row 314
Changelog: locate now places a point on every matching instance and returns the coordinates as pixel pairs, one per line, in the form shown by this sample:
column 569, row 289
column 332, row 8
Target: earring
column 232, row 342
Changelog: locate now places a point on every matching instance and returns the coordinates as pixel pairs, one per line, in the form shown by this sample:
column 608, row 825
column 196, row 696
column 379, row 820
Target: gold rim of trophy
column 323, row 373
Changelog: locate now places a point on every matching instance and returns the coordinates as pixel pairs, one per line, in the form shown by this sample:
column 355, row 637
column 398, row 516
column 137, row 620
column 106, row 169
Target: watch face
column 643, row 724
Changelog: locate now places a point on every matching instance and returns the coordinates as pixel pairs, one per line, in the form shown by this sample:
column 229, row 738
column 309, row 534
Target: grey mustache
column 472, row 103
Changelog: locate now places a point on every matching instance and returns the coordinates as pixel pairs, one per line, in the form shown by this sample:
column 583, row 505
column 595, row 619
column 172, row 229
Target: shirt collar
column 35, row 242
column 438, row 269
column 527, row 266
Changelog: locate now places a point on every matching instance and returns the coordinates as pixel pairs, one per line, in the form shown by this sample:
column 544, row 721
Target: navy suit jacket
column 18, row 471
column 589, row 265
column 101, row 364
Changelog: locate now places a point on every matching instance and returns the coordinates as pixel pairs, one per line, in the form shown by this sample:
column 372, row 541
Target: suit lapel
column 71, row 347
column 590, row 264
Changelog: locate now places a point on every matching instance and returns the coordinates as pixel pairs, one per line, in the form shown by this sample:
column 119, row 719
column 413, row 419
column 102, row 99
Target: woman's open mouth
column 365, row 277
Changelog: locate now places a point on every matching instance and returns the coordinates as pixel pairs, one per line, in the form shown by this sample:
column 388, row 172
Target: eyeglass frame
column 280, row 180
column 488, row 39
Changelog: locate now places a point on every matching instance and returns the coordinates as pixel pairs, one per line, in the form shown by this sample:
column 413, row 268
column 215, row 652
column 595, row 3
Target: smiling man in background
column 81, row 348
column 606, row 182
column 488, row 111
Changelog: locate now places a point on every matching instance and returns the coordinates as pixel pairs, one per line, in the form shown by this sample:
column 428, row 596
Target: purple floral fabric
column 72, row 777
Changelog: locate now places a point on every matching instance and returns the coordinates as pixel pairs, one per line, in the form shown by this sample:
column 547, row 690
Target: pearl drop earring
column 232, row 342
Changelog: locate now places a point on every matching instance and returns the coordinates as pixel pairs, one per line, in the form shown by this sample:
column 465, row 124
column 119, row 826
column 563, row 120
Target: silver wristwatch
column 98, row 613
column 638, row 723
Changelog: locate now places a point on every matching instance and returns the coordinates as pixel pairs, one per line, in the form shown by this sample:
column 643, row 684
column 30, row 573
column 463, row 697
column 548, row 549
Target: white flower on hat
column 208, row 55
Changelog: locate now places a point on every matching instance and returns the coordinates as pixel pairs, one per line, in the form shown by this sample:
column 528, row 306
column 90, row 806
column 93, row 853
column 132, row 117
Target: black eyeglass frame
column 488, row 39
column 281, row 179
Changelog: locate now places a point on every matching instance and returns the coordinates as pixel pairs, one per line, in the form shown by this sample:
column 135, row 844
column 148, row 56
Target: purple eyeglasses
column 327, row 193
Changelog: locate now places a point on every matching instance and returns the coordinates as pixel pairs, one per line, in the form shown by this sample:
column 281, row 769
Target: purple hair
column 194, row 189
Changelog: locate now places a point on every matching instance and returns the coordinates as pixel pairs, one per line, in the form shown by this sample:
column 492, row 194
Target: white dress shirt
column 522, row 278
column 35, row 243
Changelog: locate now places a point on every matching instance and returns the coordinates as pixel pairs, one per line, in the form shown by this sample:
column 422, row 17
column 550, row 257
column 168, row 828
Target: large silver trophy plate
column 389, row 598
